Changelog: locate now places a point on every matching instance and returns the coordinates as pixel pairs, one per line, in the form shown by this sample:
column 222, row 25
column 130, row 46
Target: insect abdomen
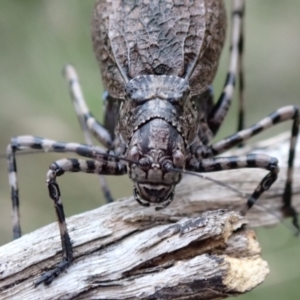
column 164, row 38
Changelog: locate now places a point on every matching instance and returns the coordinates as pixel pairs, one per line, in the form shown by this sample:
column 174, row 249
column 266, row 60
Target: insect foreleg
column 58, row 168
column 222, row 106
column 261, row 161
column 66, row 244
column 35, row 143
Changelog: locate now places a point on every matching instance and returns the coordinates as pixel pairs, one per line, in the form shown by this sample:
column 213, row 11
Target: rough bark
column 186, row 251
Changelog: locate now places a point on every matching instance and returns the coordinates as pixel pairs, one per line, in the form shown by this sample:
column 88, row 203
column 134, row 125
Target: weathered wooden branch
column 125, row 251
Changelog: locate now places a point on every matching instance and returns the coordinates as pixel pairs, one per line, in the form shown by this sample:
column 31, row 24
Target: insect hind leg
column 88, row 123
column 220, row 109
column 288, row 209
column 241, row 102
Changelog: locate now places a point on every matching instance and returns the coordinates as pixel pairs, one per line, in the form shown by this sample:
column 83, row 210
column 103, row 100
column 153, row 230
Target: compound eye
column 133, row 154
column 178, row 159
column 167, row 166
column 145, row 163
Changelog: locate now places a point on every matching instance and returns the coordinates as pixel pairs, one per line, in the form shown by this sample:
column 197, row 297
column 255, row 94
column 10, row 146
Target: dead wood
column 125, row 251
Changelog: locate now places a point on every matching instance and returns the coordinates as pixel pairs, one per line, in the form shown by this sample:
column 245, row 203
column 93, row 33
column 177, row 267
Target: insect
column 158, row 73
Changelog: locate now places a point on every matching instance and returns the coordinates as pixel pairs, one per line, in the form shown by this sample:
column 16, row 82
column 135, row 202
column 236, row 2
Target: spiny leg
column 281, row 115
column 34, row 143
column 87, row 122
column 58, row 168
column 221, row 108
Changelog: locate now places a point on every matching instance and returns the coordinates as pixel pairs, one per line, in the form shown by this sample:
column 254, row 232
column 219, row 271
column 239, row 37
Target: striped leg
column 34, row 143
column 221, row 108
column 283, row 114
column 58, row 168
column 86, row 119
column 87, row 122
column 241, row 109
column 261, row 161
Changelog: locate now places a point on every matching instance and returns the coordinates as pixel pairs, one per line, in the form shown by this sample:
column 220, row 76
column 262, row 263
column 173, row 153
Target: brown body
column 157, row 59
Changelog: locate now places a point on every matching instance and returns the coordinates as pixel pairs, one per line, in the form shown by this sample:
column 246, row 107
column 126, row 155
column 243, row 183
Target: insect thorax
column 158, row 96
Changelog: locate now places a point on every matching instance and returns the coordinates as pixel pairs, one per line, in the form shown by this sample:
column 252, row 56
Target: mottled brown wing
column 170, row 37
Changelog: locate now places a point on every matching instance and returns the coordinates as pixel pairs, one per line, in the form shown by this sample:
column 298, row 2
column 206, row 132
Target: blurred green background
column 38, row 37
